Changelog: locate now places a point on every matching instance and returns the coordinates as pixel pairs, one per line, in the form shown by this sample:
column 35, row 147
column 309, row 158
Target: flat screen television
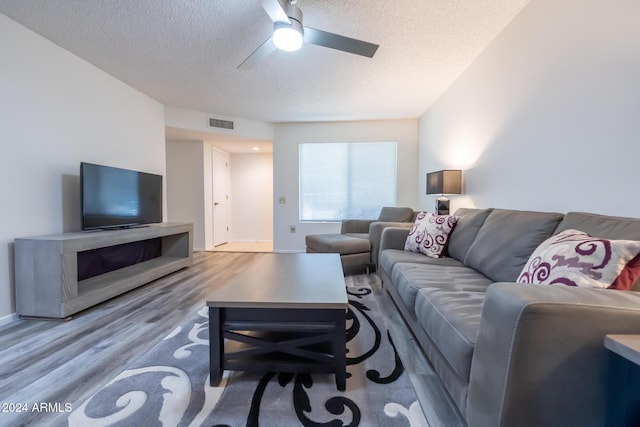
column 119, row 198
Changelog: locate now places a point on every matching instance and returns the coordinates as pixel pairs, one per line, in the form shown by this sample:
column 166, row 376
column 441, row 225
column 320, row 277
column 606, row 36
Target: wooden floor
column 66, row 362
column 261, row 246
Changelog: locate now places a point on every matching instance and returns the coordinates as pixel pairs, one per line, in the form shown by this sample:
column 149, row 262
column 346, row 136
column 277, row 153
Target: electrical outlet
column 293, row 228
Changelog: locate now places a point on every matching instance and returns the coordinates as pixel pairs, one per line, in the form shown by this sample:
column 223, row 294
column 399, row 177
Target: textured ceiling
column 185, row 53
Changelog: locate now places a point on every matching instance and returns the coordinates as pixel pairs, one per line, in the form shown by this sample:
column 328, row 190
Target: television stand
column 46, row 268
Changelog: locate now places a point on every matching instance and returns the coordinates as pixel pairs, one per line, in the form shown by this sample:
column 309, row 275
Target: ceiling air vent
column 222, row 124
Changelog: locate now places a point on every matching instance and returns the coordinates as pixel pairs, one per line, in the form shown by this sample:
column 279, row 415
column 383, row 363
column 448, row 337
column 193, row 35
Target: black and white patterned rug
column 169, row 385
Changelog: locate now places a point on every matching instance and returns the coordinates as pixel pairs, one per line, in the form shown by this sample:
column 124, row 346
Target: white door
column 221, row 183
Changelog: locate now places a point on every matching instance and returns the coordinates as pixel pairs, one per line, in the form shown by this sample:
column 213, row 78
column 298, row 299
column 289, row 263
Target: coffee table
column 284, row 313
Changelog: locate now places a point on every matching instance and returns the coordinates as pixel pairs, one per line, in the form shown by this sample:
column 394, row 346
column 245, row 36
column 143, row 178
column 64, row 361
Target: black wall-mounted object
column 119, row 198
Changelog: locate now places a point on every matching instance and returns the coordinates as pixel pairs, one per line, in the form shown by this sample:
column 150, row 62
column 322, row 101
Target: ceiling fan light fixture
column 289, row 34
column 287, row 37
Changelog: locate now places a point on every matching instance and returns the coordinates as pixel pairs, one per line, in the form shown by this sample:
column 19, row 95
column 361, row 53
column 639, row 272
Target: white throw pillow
column 574, row 258
column 430, row 234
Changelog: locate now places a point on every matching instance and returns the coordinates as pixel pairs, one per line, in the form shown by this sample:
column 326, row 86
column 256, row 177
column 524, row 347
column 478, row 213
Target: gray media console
column 47, row 280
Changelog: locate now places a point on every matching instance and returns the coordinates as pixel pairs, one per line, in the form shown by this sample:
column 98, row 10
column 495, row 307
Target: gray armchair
column 359, row 239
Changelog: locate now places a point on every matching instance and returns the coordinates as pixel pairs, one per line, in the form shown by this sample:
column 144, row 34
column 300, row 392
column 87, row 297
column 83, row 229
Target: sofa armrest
column 375, row 235
column 360, row 226
column 393, row 238
column 539, row 357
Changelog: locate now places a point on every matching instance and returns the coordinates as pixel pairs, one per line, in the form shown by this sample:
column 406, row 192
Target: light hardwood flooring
column 261, row 246
column 66, row 362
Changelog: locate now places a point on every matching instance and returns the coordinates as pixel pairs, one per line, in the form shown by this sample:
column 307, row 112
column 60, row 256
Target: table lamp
column 444, row 182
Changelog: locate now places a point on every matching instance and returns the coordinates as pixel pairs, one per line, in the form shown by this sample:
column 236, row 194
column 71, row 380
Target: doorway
column 250, row 203
column 226, row 186
column 220, row 183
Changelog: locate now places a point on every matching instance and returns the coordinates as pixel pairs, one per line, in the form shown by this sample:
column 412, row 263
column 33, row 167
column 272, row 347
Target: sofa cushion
column 390, row 257
column 408, row 278
column 337, row 243
column 469, row 222
column 430, row 234
column 395, row 214
column 358, row 235
column 575, row 258
column 451, row 318
column 507, row 239
column 608, row 227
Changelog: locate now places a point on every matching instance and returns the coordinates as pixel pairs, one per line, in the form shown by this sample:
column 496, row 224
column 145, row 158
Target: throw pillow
column 430, row 234
column 575, row 258
column 629, row 276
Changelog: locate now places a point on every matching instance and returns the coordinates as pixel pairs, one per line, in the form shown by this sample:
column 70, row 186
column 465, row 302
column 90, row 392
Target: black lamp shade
column 444, row 182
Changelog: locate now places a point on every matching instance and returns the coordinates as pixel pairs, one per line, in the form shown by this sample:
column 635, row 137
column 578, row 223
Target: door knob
column 215, row 203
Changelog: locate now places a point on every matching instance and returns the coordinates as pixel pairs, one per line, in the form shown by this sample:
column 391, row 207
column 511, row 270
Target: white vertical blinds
column 346, row 180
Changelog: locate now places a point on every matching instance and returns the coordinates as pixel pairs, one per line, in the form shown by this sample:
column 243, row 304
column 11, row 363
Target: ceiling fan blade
column 261, row 52
column 335, row 41
column 275, row 11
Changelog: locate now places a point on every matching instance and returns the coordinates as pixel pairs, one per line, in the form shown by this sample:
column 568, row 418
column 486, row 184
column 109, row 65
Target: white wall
column 548, row 116
column 199, row 121
column 57, row 110
column 252, row 197
column 186, row 187
column 285, row 164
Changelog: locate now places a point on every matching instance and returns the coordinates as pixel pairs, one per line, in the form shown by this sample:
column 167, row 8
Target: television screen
column 116, row 198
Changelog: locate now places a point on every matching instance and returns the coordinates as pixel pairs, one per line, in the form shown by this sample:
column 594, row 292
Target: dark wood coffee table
column 285, row 313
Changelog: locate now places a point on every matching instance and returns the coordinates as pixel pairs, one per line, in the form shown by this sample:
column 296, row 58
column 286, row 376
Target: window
column 346, row 180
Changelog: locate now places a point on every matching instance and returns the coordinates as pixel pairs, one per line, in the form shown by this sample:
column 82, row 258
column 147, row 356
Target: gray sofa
column 511, row 354
column 359, row 240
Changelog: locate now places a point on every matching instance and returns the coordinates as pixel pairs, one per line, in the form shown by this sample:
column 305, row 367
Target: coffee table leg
column 216, row 347
column 340, row 351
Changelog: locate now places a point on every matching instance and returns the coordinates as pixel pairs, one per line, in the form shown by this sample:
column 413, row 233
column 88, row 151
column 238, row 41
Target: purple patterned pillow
column 430, row 234
column 575, row 258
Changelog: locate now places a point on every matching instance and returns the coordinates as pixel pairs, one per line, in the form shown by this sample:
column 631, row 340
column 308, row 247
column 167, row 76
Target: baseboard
column 8, row 319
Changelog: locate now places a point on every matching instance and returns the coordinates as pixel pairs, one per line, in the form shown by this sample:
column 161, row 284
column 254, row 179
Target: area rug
column 169, row 385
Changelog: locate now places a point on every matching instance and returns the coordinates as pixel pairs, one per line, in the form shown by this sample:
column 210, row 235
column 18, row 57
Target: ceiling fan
column 289, row 34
